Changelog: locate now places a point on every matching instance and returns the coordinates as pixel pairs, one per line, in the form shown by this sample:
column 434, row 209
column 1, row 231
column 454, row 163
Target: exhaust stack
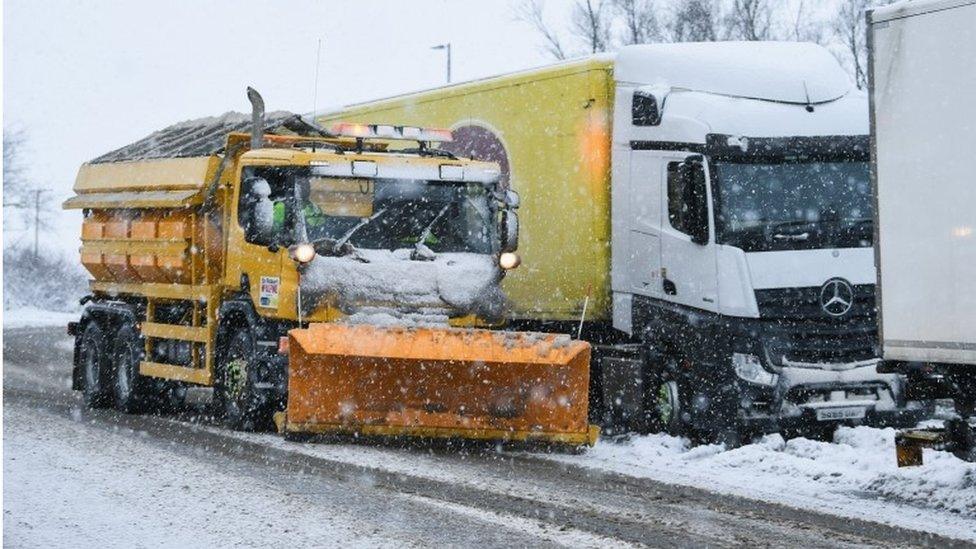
column 257, row 118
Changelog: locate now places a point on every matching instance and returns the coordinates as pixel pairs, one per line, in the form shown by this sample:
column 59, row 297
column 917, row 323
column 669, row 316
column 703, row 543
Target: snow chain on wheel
column 240, row 405
column 668, row 406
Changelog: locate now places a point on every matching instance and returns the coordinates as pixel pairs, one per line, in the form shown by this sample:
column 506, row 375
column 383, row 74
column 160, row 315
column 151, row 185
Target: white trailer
column 923, row 116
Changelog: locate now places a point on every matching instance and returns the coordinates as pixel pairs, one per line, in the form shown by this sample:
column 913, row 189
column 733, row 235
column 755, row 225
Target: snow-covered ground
column 855, row 476
column 69, row 485
column 31, row 317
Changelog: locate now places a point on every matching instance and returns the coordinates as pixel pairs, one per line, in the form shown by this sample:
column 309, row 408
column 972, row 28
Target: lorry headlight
column 303, row 253
column 509, row 260
column 749, row 368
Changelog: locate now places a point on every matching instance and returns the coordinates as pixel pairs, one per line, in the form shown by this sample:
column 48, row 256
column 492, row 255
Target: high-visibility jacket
column 314, row 217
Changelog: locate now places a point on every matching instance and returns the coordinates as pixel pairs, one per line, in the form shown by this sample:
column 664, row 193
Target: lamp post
column 447, row 47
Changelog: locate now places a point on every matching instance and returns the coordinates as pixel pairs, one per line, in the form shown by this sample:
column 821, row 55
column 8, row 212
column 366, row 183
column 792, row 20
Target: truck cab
column 323, row 233
column 742, row 238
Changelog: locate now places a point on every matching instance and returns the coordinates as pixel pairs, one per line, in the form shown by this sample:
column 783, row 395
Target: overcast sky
column 84, row 77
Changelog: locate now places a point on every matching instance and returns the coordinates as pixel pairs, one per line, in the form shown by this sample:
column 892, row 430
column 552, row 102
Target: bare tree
column 639, row 21
column 591, row 22
column 13, row 173
column 531, row 12
column 749, row 20
column 849, row 27
column 26, row 202
column 802, row 24
column 693, row 21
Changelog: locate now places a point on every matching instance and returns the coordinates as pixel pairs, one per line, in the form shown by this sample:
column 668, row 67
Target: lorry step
column 199, row 376
column 199, row 334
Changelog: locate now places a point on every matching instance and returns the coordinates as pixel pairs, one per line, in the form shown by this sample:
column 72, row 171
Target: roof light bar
column 387, row 131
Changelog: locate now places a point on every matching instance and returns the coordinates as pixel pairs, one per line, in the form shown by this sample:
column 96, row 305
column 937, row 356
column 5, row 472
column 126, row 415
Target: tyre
column 669, row 407
column 96, row 368
column 238, row 402
column 133, row 391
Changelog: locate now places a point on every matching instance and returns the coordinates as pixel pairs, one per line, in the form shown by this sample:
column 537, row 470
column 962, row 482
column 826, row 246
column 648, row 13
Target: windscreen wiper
column 775, row 231
column 421, row 251
column 337, row 247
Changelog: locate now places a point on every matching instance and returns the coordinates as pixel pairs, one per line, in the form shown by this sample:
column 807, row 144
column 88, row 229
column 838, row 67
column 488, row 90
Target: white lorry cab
column 742, row 236
column 700, row 212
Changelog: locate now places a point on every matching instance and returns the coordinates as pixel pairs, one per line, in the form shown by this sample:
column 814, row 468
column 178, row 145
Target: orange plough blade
column 438, row 382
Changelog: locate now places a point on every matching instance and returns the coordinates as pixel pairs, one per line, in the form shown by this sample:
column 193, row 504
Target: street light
column 448, row 48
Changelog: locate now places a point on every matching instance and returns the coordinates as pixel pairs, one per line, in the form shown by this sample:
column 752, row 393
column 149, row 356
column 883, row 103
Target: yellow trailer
column 557, row 119
column 317, row 278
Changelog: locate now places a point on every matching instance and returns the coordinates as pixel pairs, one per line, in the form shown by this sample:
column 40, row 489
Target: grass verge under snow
column 856, row 475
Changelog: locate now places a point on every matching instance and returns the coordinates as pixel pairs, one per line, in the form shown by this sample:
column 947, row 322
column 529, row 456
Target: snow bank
column 856, row 475
column 31, row 317
column 379, row 286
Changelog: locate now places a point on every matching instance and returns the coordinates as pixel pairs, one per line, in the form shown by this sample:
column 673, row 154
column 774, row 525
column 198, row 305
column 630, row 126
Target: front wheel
column 241, row 405
column 668, row 407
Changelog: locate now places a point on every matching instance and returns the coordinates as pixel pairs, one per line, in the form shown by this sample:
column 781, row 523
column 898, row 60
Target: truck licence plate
column 835, row 414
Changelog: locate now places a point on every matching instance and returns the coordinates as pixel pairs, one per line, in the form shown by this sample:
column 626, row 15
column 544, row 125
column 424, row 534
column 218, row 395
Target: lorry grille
column 795, row 328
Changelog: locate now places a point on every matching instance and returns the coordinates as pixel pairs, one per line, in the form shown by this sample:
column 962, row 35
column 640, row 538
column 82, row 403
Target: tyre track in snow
column 585, row 507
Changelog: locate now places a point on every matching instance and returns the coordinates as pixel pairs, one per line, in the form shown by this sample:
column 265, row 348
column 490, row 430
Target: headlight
column 303, row 253
column 509, row 260
column 749, row 368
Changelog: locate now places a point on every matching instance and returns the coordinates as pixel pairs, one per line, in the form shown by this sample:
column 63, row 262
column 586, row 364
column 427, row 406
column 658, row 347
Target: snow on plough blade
column 438, row 382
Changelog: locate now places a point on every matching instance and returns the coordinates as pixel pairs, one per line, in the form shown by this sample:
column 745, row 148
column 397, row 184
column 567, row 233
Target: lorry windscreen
column 793, row 204
column 449, row 217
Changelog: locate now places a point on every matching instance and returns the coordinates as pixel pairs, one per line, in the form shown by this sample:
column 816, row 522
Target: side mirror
column 512, row 200
column 509, row 230
column 258, row 211
column 645, row 109
column 695, row 198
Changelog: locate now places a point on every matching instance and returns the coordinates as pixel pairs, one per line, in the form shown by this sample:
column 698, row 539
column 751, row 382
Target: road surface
column 100, row 478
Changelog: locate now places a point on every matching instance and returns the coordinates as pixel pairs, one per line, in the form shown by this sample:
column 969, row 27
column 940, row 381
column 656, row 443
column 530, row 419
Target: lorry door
column 644, row 227
column 688, row 273
column 253, row 253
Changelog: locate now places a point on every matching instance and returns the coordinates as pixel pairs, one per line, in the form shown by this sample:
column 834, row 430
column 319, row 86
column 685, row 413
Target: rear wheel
column 96, row 368
column 133, row 391
column 241, row 405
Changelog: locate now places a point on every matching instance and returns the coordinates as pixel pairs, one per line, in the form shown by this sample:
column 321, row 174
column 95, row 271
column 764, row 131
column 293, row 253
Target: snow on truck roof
column 905, row 8
column 200, row 136
column 789, row 72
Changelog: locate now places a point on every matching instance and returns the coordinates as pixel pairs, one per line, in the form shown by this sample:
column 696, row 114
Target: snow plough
column 319, row 280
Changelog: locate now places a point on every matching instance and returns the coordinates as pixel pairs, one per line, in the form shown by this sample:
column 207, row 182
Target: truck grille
column 796, row 329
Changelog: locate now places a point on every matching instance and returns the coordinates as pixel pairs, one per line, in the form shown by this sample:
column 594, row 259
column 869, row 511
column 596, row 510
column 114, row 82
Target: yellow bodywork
column 555, row 126
column 166, row 231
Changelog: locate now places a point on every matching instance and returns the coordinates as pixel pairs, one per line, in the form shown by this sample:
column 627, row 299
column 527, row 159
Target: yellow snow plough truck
column 318, row 281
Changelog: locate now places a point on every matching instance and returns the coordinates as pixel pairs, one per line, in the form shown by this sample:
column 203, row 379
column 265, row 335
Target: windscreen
column 390, row 214
column 794, row 204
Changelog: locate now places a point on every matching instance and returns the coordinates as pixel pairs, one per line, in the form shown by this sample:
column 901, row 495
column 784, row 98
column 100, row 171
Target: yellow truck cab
column 207, row 244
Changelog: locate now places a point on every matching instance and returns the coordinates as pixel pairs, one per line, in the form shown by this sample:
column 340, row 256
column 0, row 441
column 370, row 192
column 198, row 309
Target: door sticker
column 269, row 292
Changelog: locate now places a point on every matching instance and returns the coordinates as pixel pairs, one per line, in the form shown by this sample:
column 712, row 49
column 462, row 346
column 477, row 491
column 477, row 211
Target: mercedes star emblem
column 836, row 297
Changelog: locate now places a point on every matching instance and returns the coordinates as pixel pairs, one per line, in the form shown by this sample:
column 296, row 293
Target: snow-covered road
column 93, row 478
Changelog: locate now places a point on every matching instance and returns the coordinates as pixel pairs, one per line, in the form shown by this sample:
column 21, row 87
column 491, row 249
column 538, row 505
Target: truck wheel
column 133, row 391
column 241, row 406
column 95, row 368
column 668, row 406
